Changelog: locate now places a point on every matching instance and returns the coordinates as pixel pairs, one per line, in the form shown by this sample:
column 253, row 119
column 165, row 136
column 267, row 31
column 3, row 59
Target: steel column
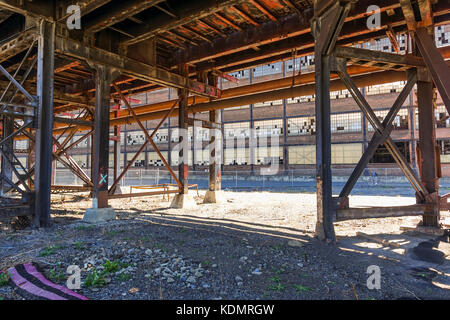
column 215, row 176
column 8, row 149
column 427, row 149
column 103, row 79
column 43, row 145
column 183, row 155
column 326, row 27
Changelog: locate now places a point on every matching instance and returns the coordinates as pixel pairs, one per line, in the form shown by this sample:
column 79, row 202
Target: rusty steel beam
column 264, row 10
column 5, row 15
column 119, row 12
column 246, row 17
column 38, row 8
column 282, row 50
column 86, row 6
column 269, row 32
column 289, row 92
column 259, row 92
column 188, row 12
column 436, row 64
column 378, row 58
column 132, row 68
column 227, row 21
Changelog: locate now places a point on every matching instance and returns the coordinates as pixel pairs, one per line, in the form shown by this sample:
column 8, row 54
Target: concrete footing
column 183, row 201
column 214, row 197
column 96, row 215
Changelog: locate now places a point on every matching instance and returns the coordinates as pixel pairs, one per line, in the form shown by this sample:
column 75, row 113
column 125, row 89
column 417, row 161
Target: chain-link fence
column 379, row 181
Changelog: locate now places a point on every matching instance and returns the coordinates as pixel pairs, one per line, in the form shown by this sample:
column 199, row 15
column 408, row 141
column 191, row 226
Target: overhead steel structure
column 135, row 46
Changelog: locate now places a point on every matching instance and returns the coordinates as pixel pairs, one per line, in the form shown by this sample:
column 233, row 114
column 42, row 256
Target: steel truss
column 421, row 71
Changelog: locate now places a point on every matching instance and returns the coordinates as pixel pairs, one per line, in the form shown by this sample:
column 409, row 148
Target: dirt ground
column 253, row 246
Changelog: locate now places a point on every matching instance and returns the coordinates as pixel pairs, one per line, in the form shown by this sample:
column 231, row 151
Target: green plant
column 48, row 251
column 79, row 245
column 206, row 263
column 112, row 233
column 111, row 266
column 278, row 247
column 56, row 275
column 82, row 227
column 275, row 279
column 95, row 279
column 277, row 287
column 159, row 246
column 4, row 279
column 299, row 288
column 125, row 276
column 280, row 270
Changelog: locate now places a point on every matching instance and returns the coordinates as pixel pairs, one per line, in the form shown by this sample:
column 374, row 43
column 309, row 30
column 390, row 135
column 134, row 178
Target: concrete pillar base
column 97, row 215
column 183, row 201
column 216, row 196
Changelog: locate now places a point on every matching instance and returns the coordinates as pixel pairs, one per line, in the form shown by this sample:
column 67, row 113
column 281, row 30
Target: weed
column 112, row 233
column 56, row 275
column 111, row 266
column 275, row 279
column 125, row 276
column 95, row 279
column 82, row 227
column 159, row 246
column 277, row 287
column 79, row 245
column 206, row 263
column 280, row 270
column 299, row 288
column 279, row 247
column 4, row 279
column 48, row 251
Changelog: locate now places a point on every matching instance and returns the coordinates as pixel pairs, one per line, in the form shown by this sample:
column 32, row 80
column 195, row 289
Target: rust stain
column 271, row 4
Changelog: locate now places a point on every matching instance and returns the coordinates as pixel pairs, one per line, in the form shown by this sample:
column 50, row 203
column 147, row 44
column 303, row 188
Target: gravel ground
column 254, row 246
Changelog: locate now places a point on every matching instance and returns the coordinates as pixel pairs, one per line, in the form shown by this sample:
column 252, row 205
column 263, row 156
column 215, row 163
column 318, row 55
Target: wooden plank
column 142, row 194
column 426, row 230
column 379, row 240
column 380, row 212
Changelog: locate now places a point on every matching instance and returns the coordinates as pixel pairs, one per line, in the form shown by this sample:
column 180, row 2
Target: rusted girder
column 269, row 32
column 384, row 60
column 132, row 68
column 37, row 8
column 435, row 63
column 259, row 92
column 86, row 6
column 188, row 12
column 118, row 12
